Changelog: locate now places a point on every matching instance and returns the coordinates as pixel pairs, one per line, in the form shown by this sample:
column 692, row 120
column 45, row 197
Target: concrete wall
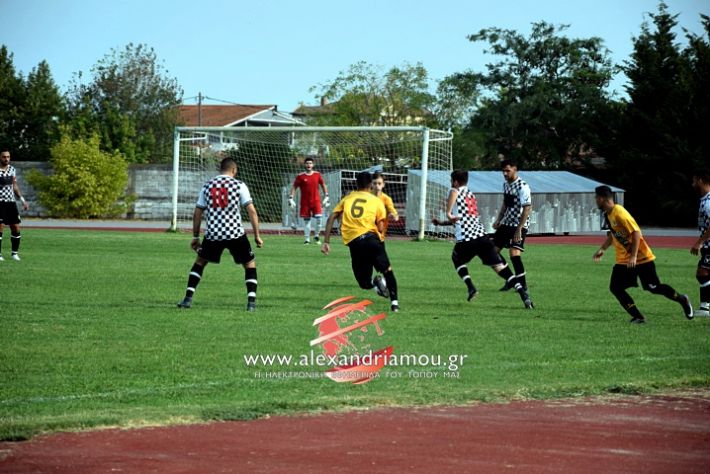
column 150, row 184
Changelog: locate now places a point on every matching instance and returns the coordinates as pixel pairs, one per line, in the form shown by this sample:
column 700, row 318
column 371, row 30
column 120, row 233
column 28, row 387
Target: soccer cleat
column 687, row 307
column 1, row 259
column 640, row 320
column 508, row 285
column 307, row 242
column 526, row 299
column 394, row 307
column 185, row 303
column 251, row 306
column 703, row 311
column 317, row 240
column 15, row 257
column 472, row 293
column 381, row 286
column 293, row 226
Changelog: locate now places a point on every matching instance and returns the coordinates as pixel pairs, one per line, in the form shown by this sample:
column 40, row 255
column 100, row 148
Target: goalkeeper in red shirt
column 311, row 208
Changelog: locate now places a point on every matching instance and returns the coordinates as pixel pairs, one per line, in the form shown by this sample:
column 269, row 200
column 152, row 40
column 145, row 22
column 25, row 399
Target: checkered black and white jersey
column 220, row 198
column 469, row 226
column 704, row 217
column 7, row 176
column 516, row 196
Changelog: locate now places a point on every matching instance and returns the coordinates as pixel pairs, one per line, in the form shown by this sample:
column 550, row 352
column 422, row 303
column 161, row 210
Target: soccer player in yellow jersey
column 378, row 186
column 634, row 258
column 362, row 216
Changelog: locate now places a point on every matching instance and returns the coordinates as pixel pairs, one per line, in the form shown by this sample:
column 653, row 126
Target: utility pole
column 199, row 109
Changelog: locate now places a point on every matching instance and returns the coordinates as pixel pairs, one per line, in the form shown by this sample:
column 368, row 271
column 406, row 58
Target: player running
column 378, row 186
column 362, row 216
column 219, row 201
column 471, row 238
column 308, row 183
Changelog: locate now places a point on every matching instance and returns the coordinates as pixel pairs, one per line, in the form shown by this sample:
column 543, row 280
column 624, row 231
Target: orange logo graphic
column 348, row 340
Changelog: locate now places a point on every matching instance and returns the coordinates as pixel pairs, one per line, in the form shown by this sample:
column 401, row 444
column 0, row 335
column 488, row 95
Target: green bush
column 86, row 181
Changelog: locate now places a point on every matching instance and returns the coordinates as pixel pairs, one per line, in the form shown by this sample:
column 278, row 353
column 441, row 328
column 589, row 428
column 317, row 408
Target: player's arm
column 391, row 211
column 254, row 219
column 598, row 254
column 635, row 242
column 325, row 248
column 523, row 219
column 450, row 202
column 501, row 213
column 695, row 249
column 196, row 223
column 326, row 198
column 18, row 193
column 291, row 194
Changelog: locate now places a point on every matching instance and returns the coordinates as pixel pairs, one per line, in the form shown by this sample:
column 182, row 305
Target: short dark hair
column 460, row 175
column 363, row 179
column 378, row 175
column 226, row 164
column 703, row 175
column 508, row 162
column 308, row 159
column 604, row 191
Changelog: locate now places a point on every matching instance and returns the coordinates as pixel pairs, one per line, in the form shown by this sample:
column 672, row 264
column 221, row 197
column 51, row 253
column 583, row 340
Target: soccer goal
column 269, row 158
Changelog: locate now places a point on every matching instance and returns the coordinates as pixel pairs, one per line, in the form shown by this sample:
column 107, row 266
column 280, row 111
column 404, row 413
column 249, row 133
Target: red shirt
column 308, row 184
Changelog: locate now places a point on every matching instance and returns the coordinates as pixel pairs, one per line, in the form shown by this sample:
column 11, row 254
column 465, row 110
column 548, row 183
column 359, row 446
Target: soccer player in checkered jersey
column 701, row 182
column 362, row 216
column 512, row 223
column 8, row 207
column 471, row 238
column 219, row 202
column 308, row 182
column 634, row 258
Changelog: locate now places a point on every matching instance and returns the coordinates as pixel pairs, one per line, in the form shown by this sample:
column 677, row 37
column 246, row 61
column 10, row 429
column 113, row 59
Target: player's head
column 459, row 178
column 228, row 166
column 4, row 156
column 510, row 170
column 701, row 180
column 604, row 196
column 363, row 180
column 308, row 163
column 378, row 182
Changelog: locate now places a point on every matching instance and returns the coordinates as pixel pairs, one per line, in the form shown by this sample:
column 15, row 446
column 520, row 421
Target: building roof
column 232, row 115
column 540, row 181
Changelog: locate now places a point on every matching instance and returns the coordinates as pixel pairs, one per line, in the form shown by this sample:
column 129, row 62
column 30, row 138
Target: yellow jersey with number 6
column 361, row 211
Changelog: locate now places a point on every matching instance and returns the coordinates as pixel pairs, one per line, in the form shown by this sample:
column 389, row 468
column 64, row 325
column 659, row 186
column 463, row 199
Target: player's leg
column 362, row 264
column 516, row 250
column 501, row 240
column 317, row 219
column 15, row 241
column 703, row 276
column 621, row 279
column 650, row 282
column 2, row 229
column 460, row 256
column 193, row 279
column 382, row 265
column 488, row 255
column 306, row 230
column 242, row 253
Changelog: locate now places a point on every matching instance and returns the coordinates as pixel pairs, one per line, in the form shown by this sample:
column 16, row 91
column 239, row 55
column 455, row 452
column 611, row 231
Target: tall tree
column 697, row 55
column 541, row 102
column 362, row 95
column 42, row 113
column 131, row 103
column 12, row 97
column 656, row 151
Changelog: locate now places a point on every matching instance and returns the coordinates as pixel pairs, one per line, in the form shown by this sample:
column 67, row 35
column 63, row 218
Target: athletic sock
column 251, row 282
column 307, row 229
column 15, row 242
column 193, row 280
column 628, row 304
column 463, row 273
column 519, row 270
column 0, row 243
column 316, row 231
column 391, row 284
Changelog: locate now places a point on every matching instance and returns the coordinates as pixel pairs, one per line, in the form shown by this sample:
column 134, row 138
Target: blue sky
column 272, row 52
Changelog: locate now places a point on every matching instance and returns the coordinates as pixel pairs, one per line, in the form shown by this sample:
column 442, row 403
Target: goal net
column 269, row 159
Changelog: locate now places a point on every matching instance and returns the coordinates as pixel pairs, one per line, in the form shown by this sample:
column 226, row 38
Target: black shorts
column 481, row 247
column 211, row 250
column 623, row 277
column 368, row 252
column 503, row 238
column 8, row 213
column 704, row 261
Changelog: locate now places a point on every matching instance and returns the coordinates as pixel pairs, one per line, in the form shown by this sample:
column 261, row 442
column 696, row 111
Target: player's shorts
column 481, row 247
column 367, row 252
column 311, row 209
column 623, row 277
column 211, row 250
column 9, row 214
column 704, row 258
column 503, row 238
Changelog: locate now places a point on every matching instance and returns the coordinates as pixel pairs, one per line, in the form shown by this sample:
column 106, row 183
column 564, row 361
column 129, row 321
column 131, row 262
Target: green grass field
column 90, row 335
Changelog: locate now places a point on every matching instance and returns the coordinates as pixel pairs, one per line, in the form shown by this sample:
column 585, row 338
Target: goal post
column 269, row 159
